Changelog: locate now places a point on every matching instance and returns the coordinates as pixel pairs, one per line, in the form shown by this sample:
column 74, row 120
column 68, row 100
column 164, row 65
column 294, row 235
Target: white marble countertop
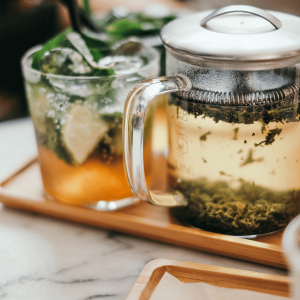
column 44, row 259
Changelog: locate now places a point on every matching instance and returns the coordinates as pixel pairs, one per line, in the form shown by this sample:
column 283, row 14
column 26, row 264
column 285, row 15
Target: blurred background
column 26, row 23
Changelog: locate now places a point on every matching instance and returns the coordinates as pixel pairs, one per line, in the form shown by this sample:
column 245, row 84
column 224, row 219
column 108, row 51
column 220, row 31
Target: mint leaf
column 137, row 24
column 96, row 54
column 103, row 72
column 93, row 43
column 124, row 27
column 58, row 41
column 97, row 48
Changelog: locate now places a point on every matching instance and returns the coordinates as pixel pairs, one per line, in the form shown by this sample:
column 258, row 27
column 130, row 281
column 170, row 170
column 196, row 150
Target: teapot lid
column 236, row 37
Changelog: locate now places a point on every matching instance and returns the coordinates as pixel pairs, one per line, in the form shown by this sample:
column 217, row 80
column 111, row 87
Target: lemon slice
column 82, row 131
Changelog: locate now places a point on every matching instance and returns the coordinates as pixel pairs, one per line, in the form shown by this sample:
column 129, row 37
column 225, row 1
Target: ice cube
column 82, row 87
column 64, row 61
column 122, row 64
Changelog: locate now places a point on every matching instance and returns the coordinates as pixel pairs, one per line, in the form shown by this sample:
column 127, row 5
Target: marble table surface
column 42, row 258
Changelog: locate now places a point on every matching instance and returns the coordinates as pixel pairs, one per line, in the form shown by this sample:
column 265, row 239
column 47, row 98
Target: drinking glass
column 78, row 125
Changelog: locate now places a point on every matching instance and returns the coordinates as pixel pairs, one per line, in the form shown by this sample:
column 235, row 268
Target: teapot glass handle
column 133, row 132
column 246, row 9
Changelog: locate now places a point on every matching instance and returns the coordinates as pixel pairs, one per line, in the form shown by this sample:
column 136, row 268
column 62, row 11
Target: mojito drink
column 77, row 109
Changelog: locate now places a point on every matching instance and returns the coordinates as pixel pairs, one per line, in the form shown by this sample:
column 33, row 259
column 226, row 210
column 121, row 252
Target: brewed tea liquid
column 239, row 178
column 86, row 183
column 100, row 177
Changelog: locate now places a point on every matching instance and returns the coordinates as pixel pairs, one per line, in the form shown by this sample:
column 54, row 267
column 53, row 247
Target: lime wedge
column 82, row 131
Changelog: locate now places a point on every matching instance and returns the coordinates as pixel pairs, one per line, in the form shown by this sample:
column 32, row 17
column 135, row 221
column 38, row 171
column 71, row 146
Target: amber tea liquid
column 93, row 180
column 208, row 159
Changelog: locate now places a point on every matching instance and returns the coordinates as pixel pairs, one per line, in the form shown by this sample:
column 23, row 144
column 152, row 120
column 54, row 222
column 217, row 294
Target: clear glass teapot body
column 234, row 146
column 235, row 162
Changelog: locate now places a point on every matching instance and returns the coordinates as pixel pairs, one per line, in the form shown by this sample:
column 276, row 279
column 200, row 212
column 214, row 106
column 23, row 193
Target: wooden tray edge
column 16, row 171
column 219, row 276
column 182, row 236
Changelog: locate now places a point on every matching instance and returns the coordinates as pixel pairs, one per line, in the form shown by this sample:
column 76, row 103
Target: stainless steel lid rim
column 239, row 99
column 235, row 64
column 254, row 58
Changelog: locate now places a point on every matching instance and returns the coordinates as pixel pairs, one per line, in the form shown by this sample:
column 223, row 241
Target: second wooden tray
column 218, row 276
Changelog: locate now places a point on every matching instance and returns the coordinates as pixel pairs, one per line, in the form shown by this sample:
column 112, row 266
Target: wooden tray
column 219, row 276
column 23, row 190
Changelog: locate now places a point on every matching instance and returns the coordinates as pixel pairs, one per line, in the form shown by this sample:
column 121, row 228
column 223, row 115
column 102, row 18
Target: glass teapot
column 233, row 121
